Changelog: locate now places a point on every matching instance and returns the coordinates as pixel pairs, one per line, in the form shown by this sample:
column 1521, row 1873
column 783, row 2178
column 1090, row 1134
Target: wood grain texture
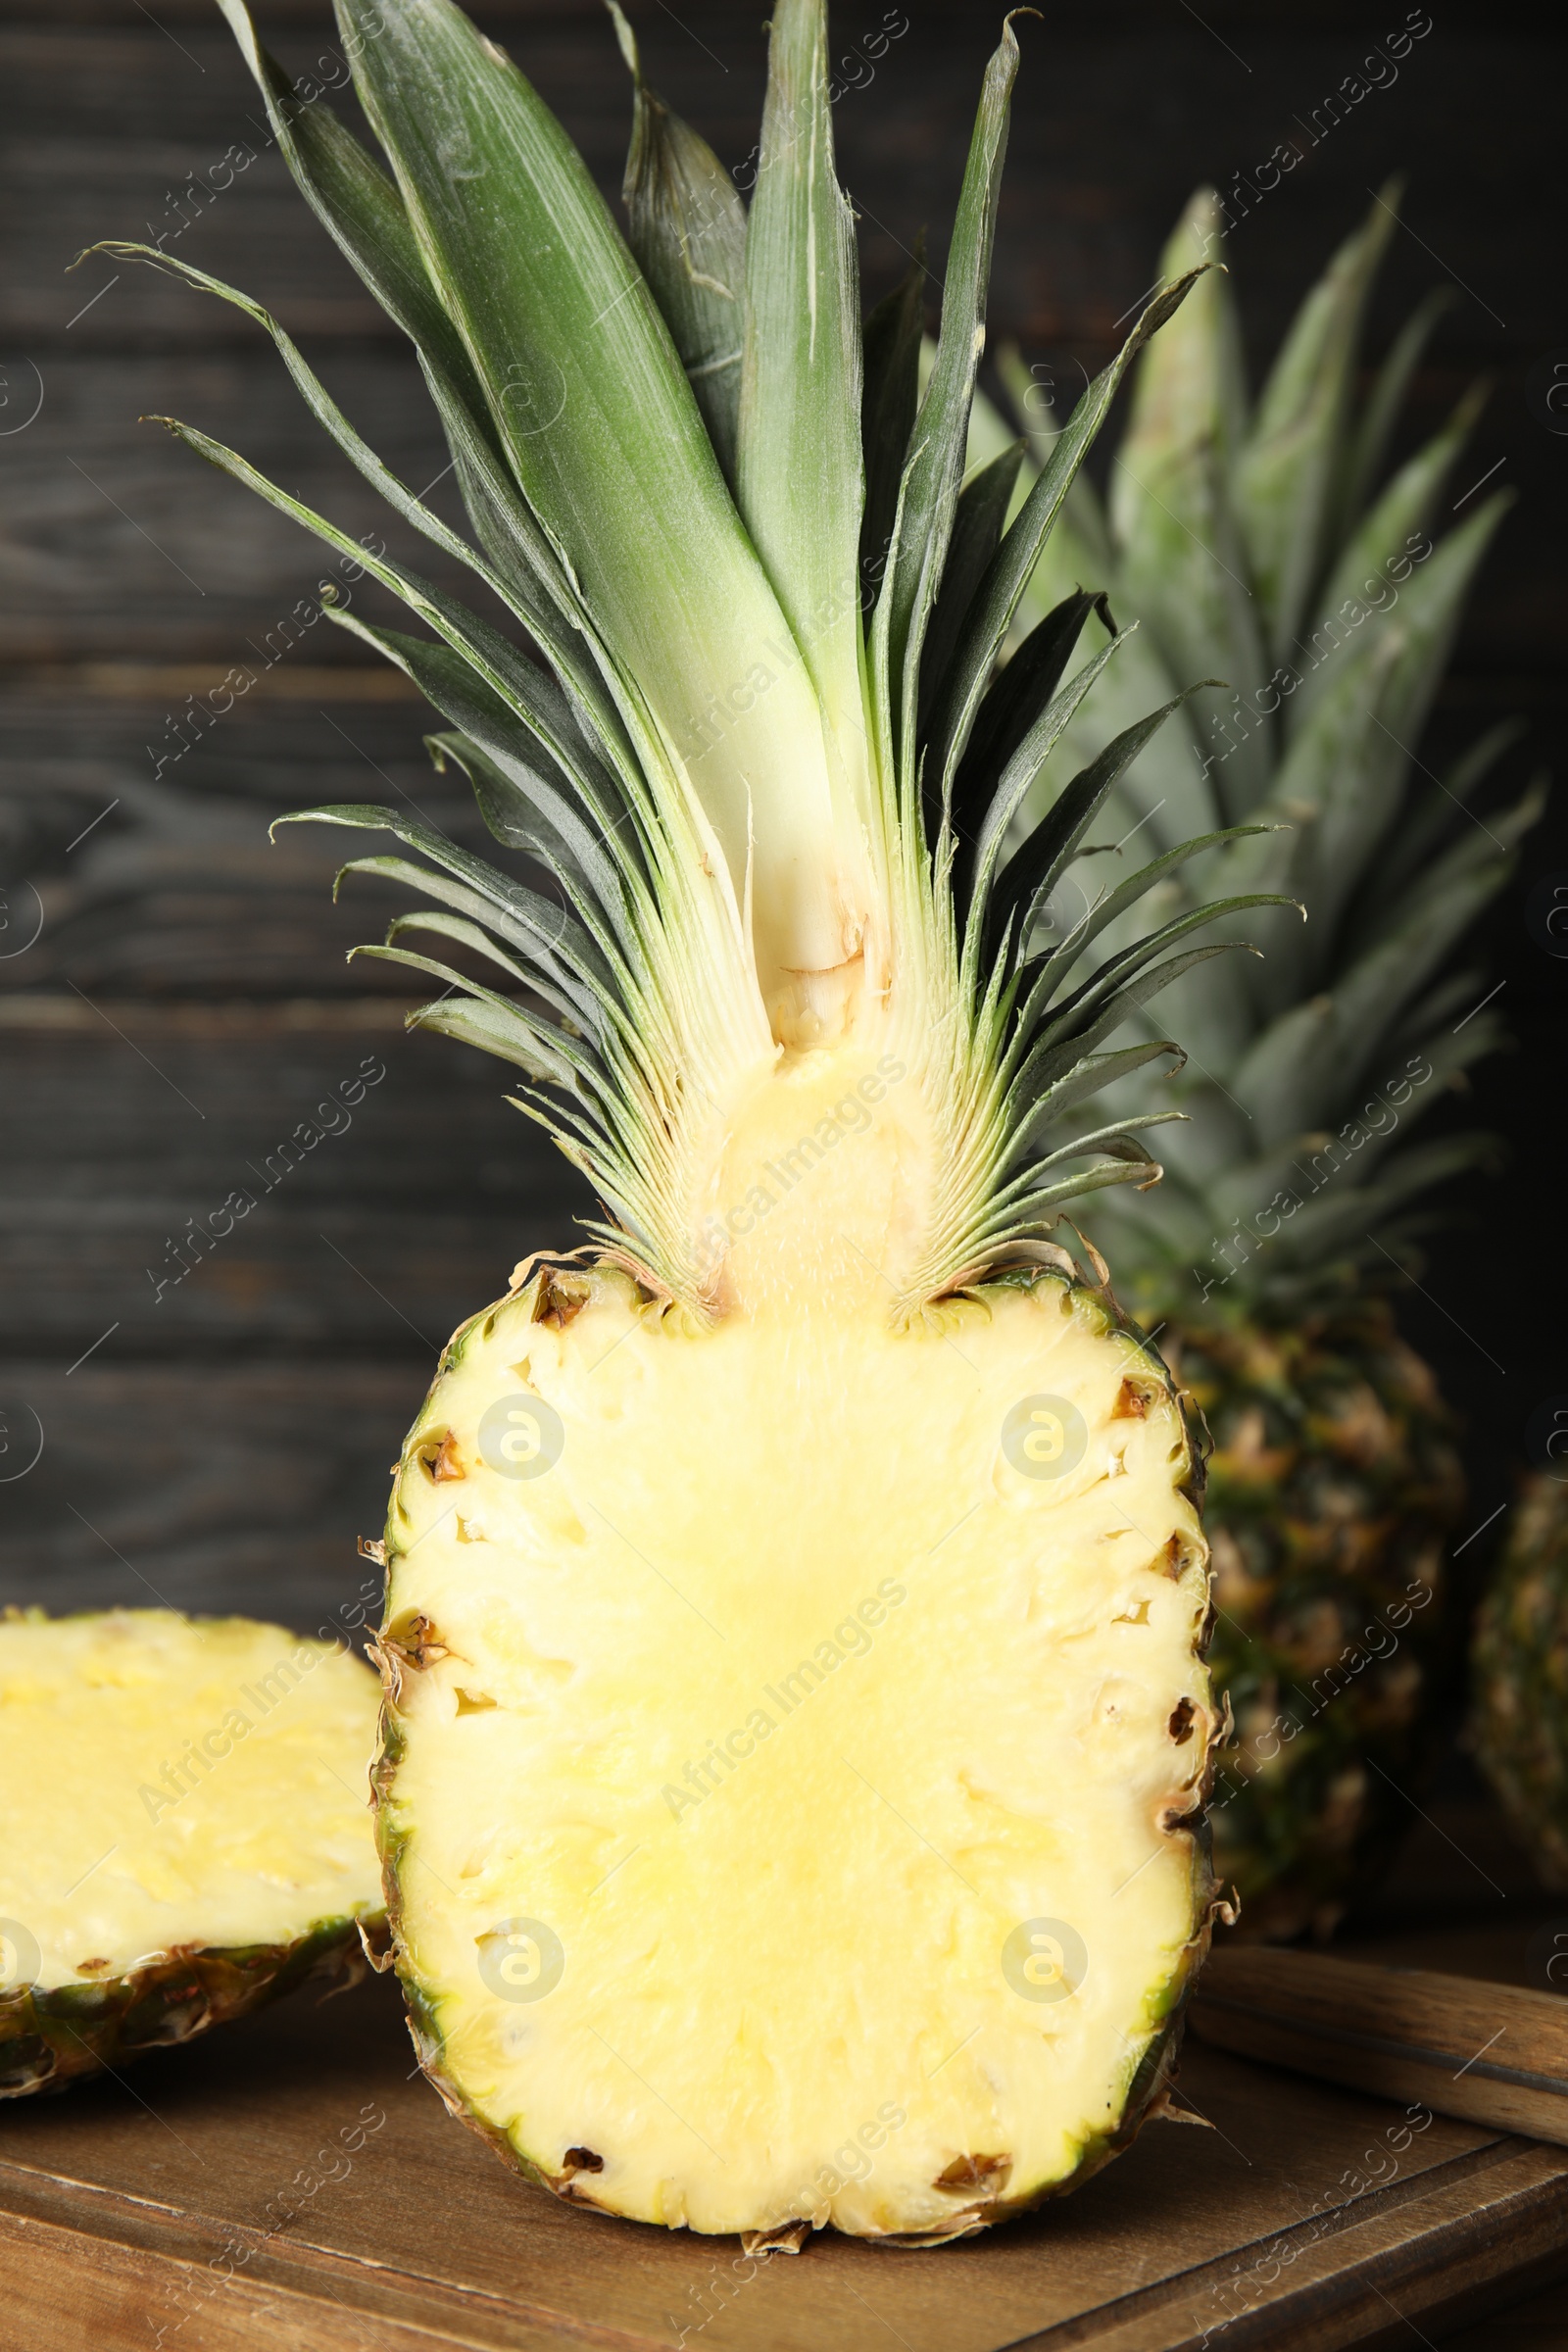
column 407, row 1211
column 196, row 2198
column 1492, row 2053
column 1534, row 2326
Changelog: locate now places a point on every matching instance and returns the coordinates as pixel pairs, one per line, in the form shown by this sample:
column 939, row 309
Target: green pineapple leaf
column 929, row 490
column 1367, row 445
column 1182, row 557
column 890, row 398
column 1286, row 471
column 686, row 225
column 722, row 778
column 800, row 481
column 1392, row 862
column 977, row 527
column 996, row 600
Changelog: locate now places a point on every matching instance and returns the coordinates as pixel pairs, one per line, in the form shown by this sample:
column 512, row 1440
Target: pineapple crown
column 765, row 743
column 1265, row 547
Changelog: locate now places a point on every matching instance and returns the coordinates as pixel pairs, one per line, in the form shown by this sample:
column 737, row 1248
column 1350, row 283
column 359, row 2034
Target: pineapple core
column 175, row 1785
column 795, row 1724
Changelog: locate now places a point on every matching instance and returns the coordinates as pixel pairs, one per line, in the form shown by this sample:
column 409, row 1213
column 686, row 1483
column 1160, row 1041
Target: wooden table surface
column 189, row 2203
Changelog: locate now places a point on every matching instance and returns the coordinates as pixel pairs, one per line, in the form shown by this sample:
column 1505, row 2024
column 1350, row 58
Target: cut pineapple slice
column 186, row 1829
column 796, row 1733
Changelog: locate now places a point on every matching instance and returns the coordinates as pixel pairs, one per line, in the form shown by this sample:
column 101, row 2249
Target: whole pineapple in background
column 188, row 1835
column 1519, row 1666
column 795, row 1718
column 1260, row 546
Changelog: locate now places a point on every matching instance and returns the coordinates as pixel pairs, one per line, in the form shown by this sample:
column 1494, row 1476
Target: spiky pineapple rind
column 1519, row 1724
column 50, row 2038
column 1335, row 1485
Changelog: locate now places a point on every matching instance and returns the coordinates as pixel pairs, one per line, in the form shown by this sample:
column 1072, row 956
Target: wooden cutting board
column 289, row 2183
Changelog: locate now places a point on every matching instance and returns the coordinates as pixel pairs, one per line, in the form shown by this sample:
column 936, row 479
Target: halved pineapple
column 797, row 1723
column 796, row 1733
column 187, row 1832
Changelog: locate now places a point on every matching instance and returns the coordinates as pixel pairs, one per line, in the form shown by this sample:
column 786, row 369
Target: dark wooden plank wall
column 184, row 1005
